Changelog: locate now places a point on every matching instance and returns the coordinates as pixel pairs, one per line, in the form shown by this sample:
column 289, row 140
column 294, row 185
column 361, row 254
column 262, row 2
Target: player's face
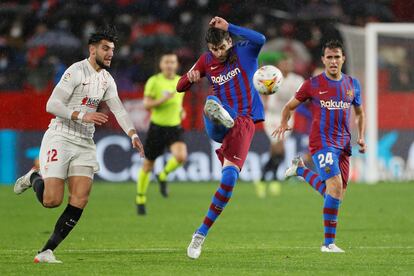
column 104, row 51
column 333, row 59
column 169, row 64
column 220, row 51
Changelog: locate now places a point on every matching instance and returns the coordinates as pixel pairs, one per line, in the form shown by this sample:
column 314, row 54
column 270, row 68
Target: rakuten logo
column 222, row 79
column 332, row 105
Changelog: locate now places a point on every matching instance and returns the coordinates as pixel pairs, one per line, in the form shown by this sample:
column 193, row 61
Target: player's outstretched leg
column 298, row 169
column 222, row 196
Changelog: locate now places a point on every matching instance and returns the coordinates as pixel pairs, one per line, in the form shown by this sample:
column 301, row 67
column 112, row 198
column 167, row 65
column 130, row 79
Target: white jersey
column 87, row 88
column 275, row 103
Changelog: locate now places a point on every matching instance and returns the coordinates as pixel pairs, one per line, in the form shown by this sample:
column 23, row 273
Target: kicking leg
column 179, row 156
column 230, row 174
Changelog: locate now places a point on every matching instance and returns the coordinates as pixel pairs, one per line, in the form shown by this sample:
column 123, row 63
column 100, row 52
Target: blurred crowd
column 40, row 39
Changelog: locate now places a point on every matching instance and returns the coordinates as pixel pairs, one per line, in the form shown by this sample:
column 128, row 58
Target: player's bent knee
column 51, row 202
column 79, row 202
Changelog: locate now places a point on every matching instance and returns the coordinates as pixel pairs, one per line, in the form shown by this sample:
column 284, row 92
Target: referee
column 166, row 106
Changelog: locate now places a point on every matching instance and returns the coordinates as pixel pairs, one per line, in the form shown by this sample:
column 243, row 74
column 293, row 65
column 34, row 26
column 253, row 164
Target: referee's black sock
column 38, row 186
column 64, row 225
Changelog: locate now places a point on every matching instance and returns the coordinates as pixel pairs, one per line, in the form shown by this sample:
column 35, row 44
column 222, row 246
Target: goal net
column 381, row 56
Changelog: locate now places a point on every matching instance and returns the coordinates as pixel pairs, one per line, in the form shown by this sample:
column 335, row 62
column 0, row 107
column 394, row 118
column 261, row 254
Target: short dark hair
column 215, row 36
column 333, row 44
column 107, row 33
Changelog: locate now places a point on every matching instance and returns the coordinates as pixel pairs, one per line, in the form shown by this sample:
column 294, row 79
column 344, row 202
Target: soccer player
column 331, row 94
column 166, row 106
column 68, row 151
column 273, row 105
column 229, row 115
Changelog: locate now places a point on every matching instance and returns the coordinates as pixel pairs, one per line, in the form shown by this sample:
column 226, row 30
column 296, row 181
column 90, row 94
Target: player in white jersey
column 68, row 150
column 273, row 106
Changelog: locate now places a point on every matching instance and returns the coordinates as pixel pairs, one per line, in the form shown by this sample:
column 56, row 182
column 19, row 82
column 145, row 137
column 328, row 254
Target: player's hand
column 279, row 132
column 219, row 23
column 97, row 118
column 362, row 145
column 136, row 144
column 193, row 76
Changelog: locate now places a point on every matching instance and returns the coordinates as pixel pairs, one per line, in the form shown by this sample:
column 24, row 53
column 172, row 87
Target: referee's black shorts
column 159, row 138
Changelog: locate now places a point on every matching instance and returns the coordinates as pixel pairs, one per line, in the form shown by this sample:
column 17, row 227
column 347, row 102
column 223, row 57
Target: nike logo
column 85, row 83
column 235, row 157
column 214, row 67
column 322, row 92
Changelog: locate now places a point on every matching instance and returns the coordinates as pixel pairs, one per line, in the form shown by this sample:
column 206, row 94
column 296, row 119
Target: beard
column 101, row 64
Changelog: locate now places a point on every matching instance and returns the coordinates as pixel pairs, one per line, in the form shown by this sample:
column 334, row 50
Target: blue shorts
column 331, row 162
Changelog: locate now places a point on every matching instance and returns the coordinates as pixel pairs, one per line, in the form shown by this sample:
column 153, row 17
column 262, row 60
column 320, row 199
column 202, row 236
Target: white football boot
column 46, row 256
column 216, row 112
column 23, row 183
column 194, row 249
column 291, row 171
column 331, row 248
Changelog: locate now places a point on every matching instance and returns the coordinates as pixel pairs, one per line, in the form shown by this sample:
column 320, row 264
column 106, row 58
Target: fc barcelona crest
column 350, row 93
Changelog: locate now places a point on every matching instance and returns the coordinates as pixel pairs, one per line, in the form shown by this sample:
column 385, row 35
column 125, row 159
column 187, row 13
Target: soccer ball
column 267, row 79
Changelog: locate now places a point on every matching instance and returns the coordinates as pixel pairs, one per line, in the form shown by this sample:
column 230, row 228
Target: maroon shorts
column 237, row 141
column 344, row 168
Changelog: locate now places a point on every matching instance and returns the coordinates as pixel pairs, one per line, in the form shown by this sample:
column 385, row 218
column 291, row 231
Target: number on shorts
column 52, row 155
column 323, row 160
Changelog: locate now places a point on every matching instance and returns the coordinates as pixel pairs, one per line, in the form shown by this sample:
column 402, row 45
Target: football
column 267, row 79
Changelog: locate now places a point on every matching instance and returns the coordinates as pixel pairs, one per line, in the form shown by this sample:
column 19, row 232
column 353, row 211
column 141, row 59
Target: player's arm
column 117, row 108
column 193, row 75
column 360, row 120
column 287, row 111
column 253, row 37
column 302, row 95
column 359, row 116
column 58, row 101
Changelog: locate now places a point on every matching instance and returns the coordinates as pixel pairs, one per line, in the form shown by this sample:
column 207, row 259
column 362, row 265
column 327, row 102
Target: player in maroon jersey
column 331, row 94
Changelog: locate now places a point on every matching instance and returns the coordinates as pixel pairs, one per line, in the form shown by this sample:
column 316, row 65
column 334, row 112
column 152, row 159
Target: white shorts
column 63, row 155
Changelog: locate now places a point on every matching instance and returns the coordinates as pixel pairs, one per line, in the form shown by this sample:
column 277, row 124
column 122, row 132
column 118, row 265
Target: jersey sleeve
column 70, row 79
column 149, row 88
column 112, row 91
column 357, row 97
column 303, row 92
column 183, row 83
column 253, row 40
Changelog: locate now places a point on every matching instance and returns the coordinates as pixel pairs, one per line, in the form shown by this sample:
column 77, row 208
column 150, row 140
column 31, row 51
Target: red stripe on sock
column 329, row 235
column 329, row 223
column 215, row 209
column 221, row 197
column 225, row 187
column 208, row 222
column 305, row 173
column 330, row 211
column 312, row 179
column 318, row 185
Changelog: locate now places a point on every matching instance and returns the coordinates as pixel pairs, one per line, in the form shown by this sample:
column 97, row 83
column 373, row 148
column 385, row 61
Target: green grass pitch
column 275, row 235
